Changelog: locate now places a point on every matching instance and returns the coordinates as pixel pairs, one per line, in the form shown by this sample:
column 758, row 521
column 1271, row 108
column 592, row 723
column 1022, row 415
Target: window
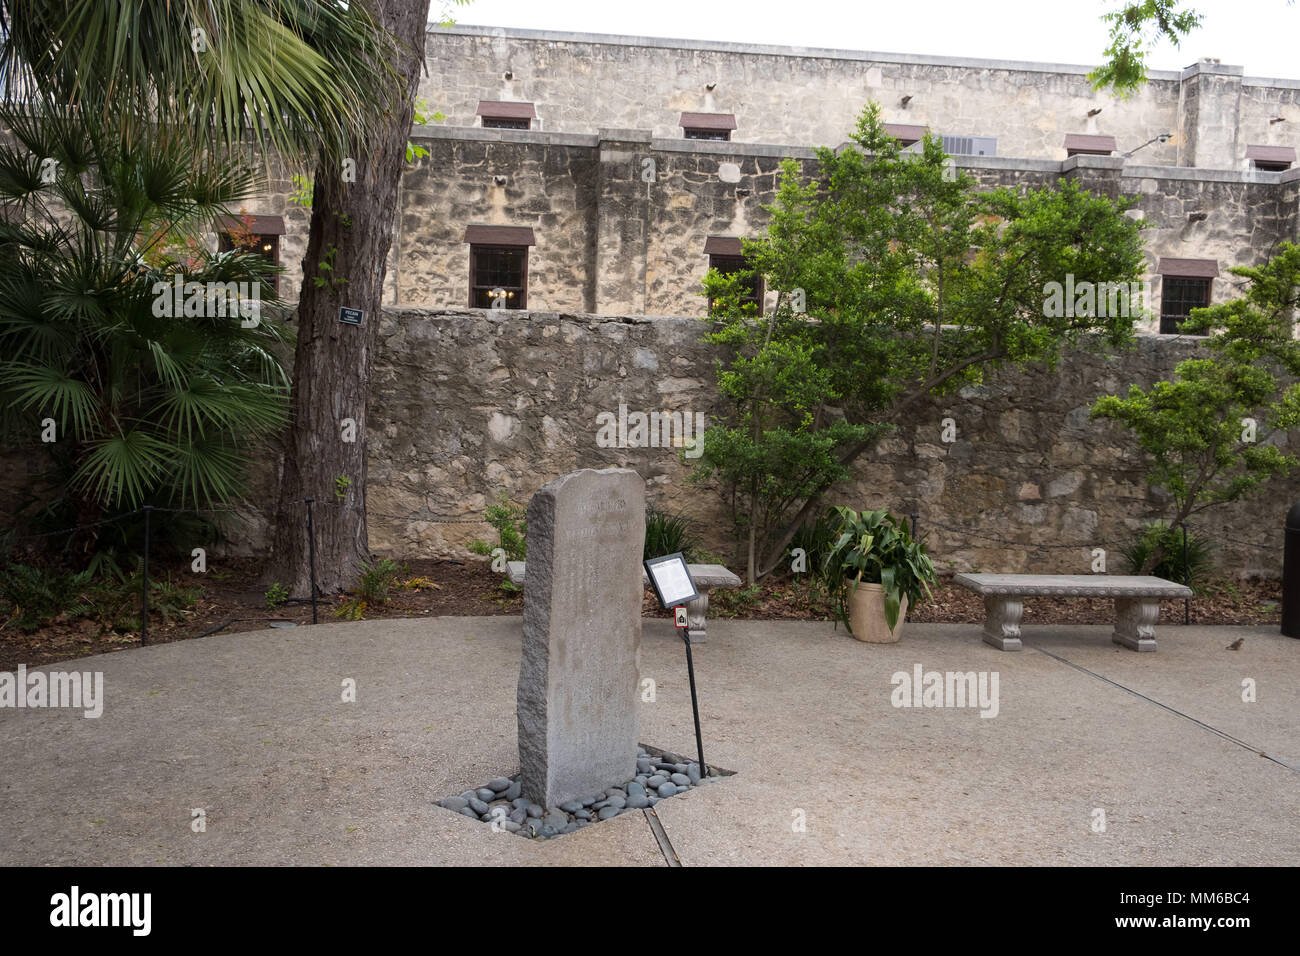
column 714, row 126
column 1185, row 284
column 1081, row 144
column 498, row 266
column 906, row 134
column 259, row 234
column 498, row 114
column 1273, row 159
column 726, row 255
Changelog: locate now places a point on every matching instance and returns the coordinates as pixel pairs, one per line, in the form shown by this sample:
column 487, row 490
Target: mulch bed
column 233, row 601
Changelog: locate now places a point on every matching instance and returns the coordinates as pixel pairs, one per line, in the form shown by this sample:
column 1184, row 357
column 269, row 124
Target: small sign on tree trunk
column 350, row 316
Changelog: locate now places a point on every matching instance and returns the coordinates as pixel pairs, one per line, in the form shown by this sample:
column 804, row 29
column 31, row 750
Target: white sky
column 1261, row 35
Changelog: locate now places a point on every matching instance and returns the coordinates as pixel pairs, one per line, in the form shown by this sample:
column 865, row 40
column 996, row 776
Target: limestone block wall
column 583, row 82
column 621, row 218
column 468, row 402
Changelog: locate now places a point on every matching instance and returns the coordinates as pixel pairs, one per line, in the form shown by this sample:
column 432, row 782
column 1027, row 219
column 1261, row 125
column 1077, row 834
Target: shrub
column 33, row 596
column 667, row 534
column 276, row 595
column 510, row 522
column 377, row 580
column 1171, row 566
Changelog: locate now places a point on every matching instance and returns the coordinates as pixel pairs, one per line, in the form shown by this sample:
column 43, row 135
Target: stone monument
column 577, row 699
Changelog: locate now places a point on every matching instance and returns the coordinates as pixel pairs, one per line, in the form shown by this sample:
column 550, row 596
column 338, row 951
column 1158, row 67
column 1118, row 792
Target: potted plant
column 874, row 570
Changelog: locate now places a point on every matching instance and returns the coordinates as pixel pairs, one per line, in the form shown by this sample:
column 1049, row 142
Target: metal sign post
column 673, row 586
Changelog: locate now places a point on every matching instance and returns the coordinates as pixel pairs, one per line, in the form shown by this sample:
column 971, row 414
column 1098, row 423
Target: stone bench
column 1137, row 602
column 705, row 576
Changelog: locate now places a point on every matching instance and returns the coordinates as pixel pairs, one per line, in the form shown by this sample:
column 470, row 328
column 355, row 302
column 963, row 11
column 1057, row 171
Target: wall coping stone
column 765, row 49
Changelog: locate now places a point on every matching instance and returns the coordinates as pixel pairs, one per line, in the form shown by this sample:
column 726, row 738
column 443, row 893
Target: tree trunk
column 353, row 208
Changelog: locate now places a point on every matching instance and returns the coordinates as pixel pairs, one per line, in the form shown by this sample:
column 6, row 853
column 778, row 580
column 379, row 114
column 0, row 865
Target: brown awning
column 905, row 132
column 1189, row 268
column 261, row 225
column 723, row 246
column 500, row 109
column 1091, row 145
column 1271, row 154
column 500, row 235
column 708, row 121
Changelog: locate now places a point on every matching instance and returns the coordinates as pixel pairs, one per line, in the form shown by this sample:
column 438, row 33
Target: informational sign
column 350, row 316
column 671, row 580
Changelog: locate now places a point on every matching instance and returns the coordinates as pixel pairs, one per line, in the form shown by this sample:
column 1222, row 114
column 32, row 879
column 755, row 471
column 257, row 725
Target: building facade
column 577, row 172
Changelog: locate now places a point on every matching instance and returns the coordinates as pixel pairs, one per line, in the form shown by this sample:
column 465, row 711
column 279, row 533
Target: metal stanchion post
column 683, row 627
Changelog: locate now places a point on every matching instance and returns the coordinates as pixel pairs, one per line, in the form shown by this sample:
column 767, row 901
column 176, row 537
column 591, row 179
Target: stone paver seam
column 661, row 836
column 1172, row 710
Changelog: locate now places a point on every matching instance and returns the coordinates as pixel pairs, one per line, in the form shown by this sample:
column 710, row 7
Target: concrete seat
column 1137, row 602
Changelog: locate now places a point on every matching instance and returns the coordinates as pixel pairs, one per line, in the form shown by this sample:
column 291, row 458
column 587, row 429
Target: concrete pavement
column 252, row 729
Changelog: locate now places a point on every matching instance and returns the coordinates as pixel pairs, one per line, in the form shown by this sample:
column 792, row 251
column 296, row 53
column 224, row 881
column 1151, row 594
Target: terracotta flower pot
column 867, row 615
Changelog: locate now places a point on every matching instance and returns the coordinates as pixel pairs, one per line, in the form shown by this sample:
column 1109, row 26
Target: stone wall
column 472, row 402
column 581, row 83
column 611, row 241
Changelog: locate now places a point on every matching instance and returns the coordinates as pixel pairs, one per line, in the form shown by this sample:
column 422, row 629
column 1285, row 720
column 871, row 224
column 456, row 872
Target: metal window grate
column 498, row 272
column 1178, row 296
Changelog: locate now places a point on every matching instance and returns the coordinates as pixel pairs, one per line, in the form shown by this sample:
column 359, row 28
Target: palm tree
column 321, row 81
column 149, row 365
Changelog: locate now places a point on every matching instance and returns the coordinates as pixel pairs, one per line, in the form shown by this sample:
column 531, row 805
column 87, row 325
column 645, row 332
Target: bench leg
column 695, row 612
column 1002, row 621
column 1135, row 623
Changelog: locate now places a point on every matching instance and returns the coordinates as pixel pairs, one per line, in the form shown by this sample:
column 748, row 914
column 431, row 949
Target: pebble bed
column 500, row 801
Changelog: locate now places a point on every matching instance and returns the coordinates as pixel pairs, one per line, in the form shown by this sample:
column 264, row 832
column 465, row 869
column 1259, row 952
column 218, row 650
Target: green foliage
column 276, row 595
column 302, row 191
column 32, row 596
column 351, row 610
column 377, row 580
column 915, row 283
column 326, row 267
column 816, row 538
column 509, row 520
column 1202, row 452
column 1158, row 538
column 667, row 534
column 298, row 76
column 423, row 115
column 1134, row 29
column 147, row 407
column 874, row 547
column 341, row 485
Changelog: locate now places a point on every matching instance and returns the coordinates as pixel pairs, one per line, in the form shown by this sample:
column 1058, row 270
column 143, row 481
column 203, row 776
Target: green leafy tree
column 899, row 280
column 1207, row 430
column 142, row 390
column 1134, row 29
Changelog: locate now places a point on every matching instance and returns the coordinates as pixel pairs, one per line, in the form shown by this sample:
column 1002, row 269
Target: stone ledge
column 763, row 49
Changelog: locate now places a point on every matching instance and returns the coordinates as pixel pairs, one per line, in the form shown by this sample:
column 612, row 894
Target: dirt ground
column 231, row 601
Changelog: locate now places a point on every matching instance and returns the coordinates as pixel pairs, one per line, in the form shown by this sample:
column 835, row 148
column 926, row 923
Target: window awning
column 261, row 225
column 1189, row 268
column 501, row 109
column 905, row 131
column 500, row 235
column 1092, row 145
column 1271, row 154
column 719, row 121
column 723, row 246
